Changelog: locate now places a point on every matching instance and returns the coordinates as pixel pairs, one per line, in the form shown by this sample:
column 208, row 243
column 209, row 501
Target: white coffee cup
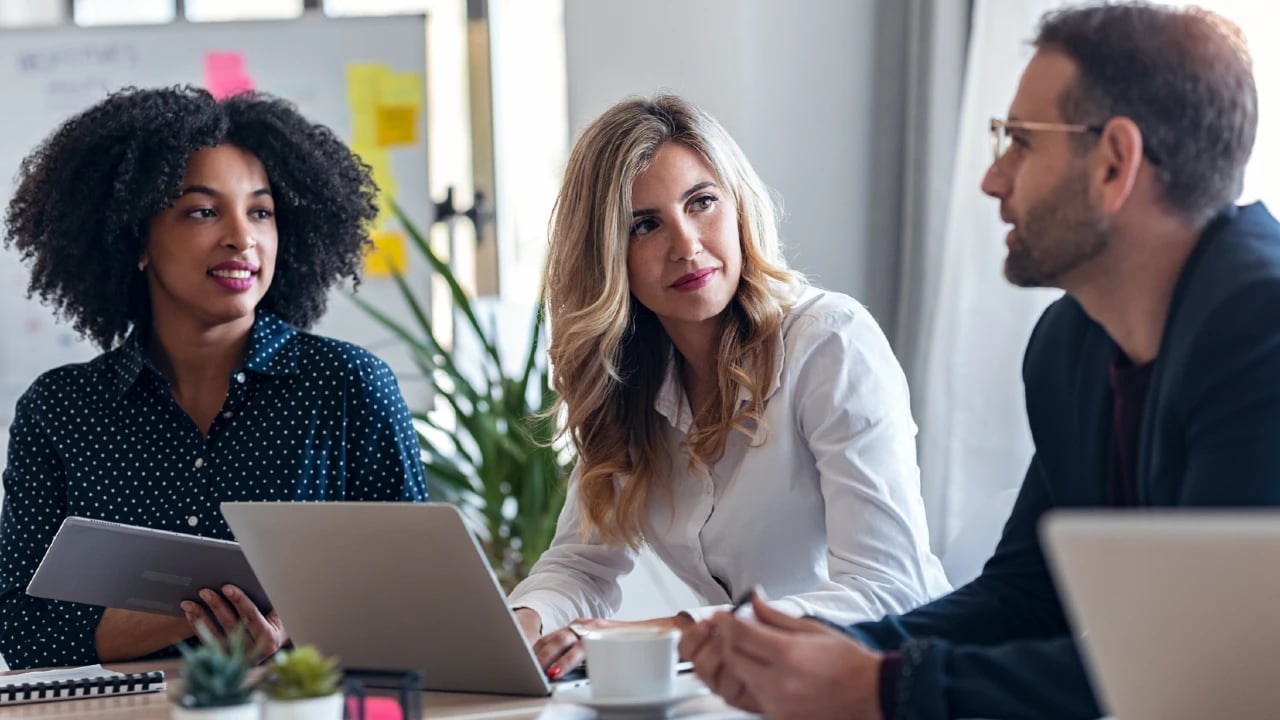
column 631, row 662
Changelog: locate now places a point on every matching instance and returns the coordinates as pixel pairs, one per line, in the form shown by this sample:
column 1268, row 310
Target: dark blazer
column 1000, row 646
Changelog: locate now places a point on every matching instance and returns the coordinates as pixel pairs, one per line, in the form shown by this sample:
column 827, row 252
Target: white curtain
column 974, row 441
column 1257, row 18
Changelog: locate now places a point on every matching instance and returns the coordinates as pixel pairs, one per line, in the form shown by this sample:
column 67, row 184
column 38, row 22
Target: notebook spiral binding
column 87, row 687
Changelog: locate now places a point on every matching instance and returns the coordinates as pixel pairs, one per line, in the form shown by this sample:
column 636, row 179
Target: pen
column 743, row 600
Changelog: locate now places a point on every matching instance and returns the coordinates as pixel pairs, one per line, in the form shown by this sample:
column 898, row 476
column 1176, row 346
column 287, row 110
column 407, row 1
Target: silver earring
column 142, row 265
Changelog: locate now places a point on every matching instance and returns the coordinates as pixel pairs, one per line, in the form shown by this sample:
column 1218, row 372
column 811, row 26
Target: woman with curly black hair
column 188, row 238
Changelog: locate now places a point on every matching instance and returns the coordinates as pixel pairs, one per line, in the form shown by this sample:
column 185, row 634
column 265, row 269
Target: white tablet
column 96, row 562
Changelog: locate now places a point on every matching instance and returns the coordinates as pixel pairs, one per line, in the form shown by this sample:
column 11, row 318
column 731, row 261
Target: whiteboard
column 49, row 74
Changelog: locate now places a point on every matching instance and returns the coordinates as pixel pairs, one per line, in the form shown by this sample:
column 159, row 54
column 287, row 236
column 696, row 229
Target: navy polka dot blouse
column 306, row 418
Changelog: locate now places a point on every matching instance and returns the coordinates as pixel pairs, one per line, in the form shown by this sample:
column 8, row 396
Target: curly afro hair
column 85, row 195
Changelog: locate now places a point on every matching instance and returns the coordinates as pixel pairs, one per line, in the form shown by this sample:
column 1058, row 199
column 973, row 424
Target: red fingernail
column 553, row 673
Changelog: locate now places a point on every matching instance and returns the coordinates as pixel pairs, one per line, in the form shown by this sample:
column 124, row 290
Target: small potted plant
column 215, row 678
column 302, row 684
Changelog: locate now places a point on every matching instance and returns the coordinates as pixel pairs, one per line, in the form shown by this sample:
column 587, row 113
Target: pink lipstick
column 695, row 280
column 234, row 276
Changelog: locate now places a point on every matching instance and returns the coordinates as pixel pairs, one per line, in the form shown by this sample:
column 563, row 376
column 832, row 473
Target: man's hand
column 785, row 667
column 229, row 608
column 703, row 645
column 562, row 651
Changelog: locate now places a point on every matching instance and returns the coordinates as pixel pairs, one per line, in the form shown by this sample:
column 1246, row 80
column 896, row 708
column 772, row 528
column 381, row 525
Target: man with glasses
column 1155, row 382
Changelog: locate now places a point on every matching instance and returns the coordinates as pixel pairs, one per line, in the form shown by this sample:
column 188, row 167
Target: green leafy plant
column 216, row 672
column 301, row 673
column 495, row 457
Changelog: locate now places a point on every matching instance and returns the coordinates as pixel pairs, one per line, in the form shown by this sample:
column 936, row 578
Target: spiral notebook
column 76, row 682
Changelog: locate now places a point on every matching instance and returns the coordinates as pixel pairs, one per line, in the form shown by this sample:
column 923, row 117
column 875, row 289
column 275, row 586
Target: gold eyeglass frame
column 1000, row 131
column 1000, row 135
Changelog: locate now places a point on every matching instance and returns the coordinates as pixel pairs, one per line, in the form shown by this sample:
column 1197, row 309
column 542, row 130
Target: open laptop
column 1178, row 610
column 389, row 586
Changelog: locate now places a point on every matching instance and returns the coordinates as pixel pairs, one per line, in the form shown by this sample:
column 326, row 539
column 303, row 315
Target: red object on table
column 376, row 708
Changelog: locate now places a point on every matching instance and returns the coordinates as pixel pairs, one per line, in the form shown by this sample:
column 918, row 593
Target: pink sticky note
column 224, row 62
column 224, row 74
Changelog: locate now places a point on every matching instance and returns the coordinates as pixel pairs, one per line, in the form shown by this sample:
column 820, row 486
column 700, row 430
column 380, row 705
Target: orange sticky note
column 388, row 255
column 397, row 124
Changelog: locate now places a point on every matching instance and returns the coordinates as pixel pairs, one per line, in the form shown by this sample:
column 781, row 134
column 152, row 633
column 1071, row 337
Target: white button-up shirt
column 825, row 514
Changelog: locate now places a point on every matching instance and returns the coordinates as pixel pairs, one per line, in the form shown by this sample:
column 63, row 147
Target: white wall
column 812, row 91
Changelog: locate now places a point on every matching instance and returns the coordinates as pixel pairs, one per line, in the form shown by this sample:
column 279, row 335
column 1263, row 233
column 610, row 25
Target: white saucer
column 686, row 688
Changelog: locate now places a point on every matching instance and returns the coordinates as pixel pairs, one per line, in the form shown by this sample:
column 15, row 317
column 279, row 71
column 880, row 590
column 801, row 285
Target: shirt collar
column 270, row 352
column 130, row 361
column 672, row 404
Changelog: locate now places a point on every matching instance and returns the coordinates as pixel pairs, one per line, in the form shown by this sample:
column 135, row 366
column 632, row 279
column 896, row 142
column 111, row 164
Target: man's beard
column 1056, row 235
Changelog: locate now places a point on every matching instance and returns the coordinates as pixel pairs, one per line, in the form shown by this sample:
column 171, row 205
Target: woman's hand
column 128, row 634
column 562, row 651
column 229, row 608
column 530, row 623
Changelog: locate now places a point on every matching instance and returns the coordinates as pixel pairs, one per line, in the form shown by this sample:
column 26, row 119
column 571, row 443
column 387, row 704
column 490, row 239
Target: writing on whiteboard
column 77, row 56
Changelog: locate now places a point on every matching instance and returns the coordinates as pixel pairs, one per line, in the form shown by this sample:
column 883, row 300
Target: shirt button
column 199, row 463
column 193, row 520
column 227, row 414
column 239, row 377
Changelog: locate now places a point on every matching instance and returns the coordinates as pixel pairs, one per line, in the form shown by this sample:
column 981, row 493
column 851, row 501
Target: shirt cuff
column 786, row 605
column 704, row 613
column 546, row 604
column 77, row 635
column 890, row 670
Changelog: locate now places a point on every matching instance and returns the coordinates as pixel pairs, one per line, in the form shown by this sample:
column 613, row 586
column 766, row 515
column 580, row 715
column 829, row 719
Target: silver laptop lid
column 388, row 586
column 1178, row 609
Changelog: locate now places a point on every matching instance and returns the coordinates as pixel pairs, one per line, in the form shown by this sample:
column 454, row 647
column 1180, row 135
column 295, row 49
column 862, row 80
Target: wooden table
column 458, row 706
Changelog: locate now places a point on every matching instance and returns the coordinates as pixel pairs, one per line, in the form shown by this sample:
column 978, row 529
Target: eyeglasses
column 1000, row 138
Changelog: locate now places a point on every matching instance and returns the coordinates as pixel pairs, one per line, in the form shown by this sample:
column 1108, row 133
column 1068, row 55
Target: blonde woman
column 749, row 429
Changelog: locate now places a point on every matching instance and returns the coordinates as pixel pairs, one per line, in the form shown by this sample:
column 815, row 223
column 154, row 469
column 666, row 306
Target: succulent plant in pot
column 215, row 678
column 302, row 684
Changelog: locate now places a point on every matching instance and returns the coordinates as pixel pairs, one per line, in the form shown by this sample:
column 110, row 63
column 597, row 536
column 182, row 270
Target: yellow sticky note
column 397, row 125
column 365, row 83
column 385, row 213
column 364, row 126
column 387, row 256
column 401, row 88
column 379, row 161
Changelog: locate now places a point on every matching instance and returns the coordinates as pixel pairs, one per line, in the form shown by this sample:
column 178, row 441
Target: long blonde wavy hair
column 609, row 353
